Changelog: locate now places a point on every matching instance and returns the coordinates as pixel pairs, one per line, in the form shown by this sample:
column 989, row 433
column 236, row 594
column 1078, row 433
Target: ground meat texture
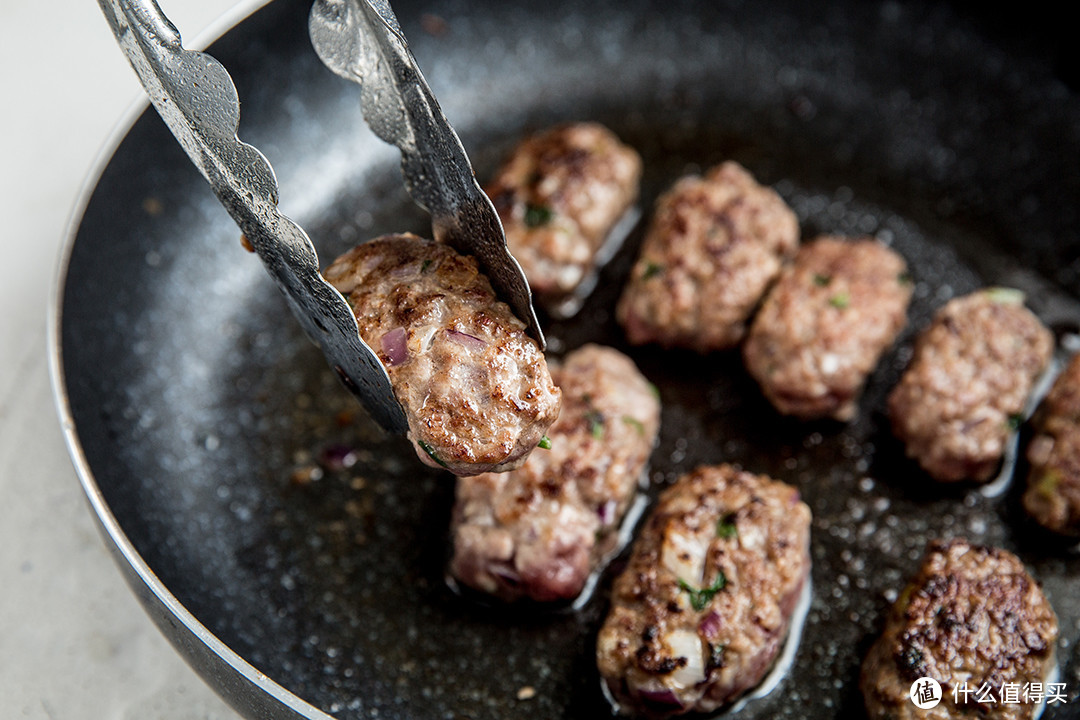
column 972, row 615
column 559, row 194
column 825, row 324
column 474, row 386
column 539, row 531
column 968, row 382
column 714, row 245
column 1053, row 492
column 702, row 609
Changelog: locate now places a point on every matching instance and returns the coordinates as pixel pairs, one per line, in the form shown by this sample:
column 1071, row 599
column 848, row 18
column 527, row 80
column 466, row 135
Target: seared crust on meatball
column 559, row 194
column 972, row 615
column 968, row 382
column 701, row 611
column 539, row 531
column 474, row 386
column 714, row 245
column 1053, row 492
column 825, row 324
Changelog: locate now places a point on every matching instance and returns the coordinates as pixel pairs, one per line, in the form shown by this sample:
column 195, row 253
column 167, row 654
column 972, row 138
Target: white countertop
column 74, row 642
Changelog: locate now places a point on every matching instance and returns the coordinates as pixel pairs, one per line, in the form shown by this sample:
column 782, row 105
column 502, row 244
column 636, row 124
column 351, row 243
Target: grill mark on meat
column 962, row 595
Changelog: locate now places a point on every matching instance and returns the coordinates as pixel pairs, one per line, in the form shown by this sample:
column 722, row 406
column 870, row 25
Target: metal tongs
column 360, row 40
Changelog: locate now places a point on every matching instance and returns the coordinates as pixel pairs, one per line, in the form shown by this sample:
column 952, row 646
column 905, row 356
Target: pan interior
column 219, row 437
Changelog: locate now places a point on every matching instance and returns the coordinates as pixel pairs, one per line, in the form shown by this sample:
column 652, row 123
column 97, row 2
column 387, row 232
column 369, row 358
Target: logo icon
column 925, row 693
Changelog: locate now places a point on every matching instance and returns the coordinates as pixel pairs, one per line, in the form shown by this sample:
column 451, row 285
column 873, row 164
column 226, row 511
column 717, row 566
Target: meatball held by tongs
column 475, row 387
column 538, row 532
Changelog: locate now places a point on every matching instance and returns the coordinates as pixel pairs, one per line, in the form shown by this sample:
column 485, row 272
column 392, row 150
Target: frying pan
column 295, row 554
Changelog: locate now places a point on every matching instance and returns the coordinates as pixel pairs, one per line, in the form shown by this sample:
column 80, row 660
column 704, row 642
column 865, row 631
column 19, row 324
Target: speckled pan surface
column 202, row 412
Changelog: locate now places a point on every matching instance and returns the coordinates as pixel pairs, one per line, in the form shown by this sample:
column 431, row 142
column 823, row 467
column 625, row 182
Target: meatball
column 968, row 382
column 1053, row 492
column 539, row 531
column 714, row 245
column 973, row 620
column 702, row 609
column 825, row 324
column 474, row 386
column 560, row 195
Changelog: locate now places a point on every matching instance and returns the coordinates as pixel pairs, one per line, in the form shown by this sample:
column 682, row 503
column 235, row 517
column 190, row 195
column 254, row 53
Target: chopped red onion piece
column 338, row 457
column 505, row 572
column 469, row 341
column 710, row 625
column 607, row 512
column 662, row 699
column 394, row 346
column 405, row 270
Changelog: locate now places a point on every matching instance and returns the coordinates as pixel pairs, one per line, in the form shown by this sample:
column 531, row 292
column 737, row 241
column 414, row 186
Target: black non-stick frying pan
column 295, row 554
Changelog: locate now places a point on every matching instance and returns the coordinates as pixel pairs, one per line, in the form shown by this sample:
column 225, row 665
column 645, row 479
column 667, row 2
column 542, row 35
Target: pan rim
column 127, row 558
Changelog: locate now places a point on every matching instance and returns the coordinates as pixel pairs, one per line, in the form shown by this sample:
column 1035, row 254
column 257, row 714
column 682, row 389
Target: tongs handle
column 362, row 41
column 196, row 98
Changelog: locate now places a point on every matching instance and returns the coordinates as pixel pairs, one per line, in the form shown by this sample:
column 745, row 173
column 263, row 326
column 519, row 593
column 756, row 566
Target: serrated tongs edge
column 198, row 101
column 362, row 41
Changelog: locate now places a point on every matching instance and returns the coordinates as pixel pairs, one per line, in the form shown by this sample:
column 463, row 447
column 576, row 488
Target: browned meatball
column 968, row 382
column 701, row 611
column 559, row 195
column 474, row 386
column 539, row 531
column 714, row 245
column 971, row 619
column 1053, row 493
column 825, row 324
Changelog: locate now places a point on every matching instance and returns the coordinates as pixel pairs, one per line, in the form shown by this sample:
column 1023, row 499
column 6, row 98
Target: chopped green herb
column 426, row 264
column 699, row 598
column 840, row 300
column 651, row 270
column 822, row 280
column 545, row 443
column 904, row 278
column 596, row 423
column 1005, row 296
column 634, row 423
column 1047, row 484
column 654, row 390
column 1015, row 420
column 431, row 453
column 726, row 528
column 537, row 215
